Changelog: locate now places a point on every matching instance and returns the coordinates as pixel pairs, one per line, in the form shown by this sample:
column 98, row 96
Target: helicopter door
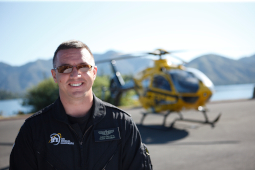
column 161, row 91
column 161, row 82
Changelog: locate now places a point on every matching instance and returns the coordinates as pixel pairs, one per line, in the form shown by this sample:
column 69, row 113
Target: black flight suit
column 111, row 141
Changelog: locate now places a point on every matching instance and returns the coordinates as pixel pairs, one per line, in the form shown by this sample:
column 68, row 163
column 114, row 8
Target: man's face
column 77, row 84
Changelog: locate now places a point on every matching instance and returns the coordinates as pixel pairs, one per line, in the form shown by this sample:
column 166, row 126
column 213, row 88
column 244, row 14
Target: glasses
column 68, row 68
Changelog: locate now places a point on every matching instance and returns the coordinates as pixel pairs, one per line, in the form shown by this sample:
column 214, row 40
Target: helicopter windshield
column 184, row 82
column 201, row 76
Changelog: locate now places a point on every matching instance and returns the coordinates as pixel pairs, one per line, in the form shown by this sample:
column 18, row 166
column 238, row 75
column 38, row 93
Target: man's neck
column 77, row 108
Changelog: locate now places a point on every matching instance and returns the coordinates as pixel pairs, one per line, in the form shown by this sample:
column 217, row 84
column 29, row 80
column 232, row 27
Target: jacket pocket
column 107, row 158
column 48, row 164
column 110, row 159
column 47, row 160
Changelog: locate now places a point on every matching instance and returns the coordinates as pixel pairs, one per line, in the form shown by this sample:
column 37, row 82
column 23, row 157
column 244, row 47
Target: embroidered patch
column 107, row 134
column 56, row 138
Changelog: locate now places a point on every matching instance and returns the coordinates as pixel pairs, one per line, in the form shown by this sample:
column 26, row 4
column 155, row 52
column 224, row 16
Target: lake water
column 12, row 106
column 233, row 92
column 225, row 92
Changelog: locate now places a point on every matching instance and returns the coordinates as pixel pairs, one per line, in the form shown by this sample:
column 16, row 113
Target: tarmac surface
column 230, row 145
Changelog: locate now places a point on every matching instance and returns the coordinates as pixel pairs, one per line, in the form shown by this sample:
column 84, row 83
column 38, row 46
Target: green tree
column 101, row 87
column 41, row 95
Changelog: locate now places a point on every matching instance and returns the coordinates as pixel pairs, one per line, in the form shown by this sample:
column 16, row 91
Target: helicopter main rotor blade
column 174, row 56
column 158, row 52
column 121, row 57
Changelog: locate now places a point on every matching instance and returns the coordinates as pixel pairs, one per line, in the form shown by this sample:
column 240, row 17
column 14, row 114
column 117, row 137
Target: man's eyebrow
column 72, row 65
column 64, row 65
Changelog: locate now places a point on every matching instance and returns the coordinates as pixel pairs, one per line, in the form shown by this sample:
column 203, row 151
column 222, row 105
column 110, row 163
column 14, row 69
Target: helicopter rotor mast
column 159, row 52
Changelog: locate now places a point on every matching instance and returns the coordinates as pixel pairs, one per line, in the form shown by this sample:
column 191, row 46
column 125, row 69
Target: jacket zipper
column 84, row 134
column 74, row 132
column 80, row 142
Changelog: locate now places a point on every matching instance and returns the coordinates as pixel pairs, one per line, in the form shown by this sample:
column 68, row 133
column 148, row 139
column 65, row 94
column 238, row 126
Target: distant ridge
column 222, row 70
column 219, row 69
column 19, row 78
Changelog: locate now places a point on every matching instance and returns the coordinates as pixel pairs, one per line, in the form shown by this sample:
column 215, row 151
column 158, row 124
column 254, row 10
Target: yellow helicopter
column 165, row 88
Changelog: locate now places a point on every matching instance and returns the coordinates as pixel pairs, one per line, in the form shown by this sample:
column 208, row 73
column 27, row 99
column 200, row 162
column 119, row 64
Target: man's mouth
column 76, row 85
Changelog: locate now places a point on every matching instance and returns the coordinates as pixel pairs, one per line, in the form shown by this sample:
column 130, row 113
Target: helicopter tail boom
column 118, row 85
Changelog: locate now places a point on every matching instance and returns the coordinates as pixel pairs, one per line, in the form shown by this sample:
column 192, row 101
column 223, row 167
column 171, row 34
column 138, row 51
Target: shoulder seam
column 47, row 108
column 115, row 107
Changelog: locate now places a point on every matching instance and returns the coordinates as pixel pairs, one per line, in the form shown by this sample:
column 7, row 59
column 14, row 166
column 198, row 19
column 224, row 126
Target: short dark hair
column 70, row 44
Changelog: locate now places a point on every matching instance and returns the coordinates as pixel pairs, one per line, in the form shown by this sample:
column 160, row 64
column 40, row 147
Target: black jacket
column 112, row 141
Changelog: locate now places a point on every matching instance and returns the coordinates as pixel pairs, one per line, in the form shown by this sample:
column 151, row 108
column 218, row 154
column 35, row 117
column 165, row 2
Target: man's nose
column 75, row 72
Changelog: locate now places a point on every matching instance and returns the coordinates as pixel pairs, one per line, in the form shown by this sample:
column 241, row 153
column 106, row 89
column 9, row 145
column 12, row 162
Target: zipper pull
column 80, row 142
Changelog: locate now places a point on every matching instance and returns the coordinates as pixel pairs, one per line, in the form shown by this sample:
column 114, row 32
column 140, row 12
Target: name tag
column 107, row 134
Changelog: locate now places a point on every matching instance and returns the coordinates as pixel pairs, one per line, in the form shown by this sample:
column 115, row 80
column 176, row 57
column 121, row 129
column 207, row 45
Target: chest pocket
column 46, row 159
column 107, row 156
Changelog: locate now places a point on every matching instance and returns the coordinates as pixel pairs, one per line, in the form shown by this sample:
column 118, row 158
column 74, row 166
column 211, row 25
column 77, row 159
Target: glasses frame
column 70, row 66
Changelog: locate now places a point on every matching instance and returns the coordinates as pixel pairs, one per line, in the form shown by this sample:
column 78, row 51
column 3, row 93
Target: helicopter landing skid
column 201, row 109
column 164, row 121
column 198, row 121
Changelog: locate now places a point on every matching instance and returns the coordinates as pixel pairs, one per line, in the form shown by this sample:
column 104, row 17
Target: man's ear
column 95, row 72
column 53, row 72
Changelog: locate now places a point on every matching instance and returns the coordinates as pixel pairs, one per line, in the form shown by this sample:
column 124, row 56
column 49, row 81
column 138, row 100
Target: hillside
column 17, row 79
column 219, row 69
column 222, row 70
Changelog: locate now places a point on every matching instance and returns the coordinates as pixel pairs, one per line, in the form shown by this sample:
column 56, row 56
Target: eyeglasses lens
column 84, row 68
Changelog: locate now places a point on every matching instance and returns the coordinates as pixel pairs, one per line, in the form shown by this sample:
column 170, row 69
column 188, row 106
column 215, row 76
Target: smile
column 76, row 85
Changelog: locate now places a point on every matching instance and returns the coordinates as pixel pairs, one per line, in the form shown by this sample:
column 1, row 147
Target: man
column 78, row 131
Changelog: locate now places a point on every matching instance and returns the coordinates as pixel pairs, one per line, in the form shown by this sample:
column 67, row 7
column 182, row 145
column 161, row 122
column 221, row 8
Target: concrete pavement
column 230, row 145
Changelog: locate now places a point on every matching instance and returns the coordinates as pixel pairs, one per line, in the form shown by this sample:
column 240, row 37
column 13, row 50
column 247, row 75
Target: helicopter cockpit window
column 161, row 83
column 184, row 82
column 201, row 76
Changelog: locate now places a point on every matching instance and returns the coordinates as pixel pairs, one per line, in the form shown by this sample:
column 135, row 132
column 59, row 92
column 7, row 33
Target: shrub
column 41, row 95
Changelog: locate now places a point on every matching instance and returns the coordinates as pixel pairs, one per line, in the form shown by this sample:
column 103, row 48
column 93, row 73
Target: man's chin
column 77, row 95
column 80, row 94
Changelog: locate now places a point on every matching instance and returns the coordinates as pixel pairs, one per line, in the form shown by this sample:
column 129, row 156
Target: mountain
column 17, row 79
column 219, row 69
column 248, row 60
column 222, row 70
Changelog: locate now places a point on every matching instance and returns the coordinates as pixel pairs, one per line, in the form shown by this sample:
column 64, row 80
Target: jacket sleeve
column 22, row 155
column 135, row 153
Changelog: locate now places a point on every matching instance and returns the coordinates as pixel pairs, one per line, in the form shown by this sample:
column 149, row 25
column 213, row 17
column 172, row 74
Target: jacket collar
column 98, row 113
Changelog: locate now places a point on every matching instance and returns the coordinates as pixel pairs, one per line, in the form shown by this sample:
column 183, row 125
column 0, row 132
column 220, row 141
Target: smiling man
column 78, row 131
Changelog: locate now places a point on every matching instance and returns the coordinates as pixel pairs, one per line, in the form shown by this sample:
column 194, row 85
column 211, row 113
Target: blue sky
column 33, row 30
